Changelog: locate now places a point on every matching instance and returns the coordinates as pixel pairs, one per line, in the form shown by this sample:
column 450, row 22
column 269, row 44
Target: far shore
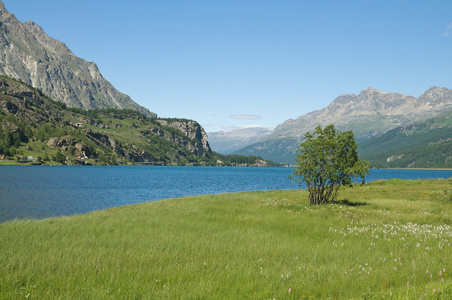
column 5, row 162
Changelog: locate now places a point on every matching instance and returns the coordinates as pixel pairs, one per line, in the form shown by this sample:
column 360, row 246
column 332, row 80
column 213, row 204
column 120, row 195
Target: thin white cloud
column 234, row 127
column 245, row 117
column 448, row 31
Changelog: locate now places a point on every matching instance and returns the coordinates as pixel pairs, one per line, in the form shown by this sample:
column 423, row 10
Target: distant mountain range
column 228, row 142
column 370, row 114
column 28, row 54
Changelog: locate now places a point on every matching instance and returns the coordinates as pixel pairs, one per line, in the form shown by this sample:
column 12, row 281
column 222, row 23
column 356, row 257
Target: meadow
column 386, row 239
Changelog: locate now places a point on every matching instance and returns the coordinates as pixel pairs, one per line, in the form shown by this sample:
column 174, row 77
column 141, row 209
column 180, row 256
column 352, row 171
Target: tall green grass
column 258, row 245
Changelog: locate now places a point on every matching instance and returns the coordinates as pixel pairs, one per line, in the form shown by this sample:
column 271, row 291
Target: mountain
column 38, row 130
column 28, row 54
column 32, row 124
column 369, row 114
column 422, row 144
column 228, row 142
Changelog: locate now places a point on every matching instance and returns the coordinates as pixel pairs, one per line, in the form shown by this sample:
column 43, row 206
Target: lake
column 47, row 191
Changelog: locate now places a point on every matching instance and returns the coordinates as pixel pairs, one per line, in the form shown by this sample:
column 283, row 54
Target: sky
column 236, row 64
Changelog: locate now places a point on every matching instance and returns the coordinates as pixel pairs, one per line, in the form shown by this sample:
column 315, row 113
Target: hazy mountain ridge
column 27, row 53
column 228, row 142
column 369, row 114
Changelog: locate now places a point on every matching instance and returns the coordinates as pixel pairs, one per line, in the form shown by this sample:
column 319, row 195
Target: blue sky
column 231, row 64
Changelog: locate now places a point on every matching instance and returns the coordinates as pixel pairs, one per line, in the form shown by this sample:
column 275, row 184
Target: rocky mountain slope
column 228, row 142
column 27, row 53
column 369, row 114
column 31, row 124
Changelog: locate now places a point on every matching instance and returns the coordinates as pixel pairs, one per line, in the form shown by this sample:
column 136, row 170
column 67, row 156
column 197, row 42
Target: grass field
column 386, row 239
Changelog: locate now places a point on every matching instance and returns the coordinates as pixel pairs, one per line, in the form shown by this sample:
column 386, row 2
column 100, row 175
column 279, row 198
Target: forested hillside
column 424, row 144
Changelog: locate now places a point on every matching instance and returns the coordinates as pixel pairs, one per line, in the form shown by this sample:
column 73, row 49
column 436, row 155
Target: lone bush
column 327, row 161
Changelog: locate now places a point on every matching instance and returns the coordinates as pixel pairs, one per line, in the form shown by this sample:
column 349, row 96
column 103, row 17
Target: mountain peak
column 4, row 13
column 437, row 89
column 2, row 7
column 35, row 29
column 436, row 95
column 29, row 54
column 371, row 90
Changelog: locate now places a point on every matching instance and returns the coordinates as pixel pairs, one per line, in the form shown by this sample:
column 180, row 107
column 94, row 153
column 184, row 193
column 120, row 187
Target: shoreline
column 14, row 163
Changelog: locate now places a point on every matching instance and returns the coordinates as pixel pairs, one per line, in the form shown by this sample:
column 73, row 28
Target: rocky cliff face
column 27, row 53
column 192, row 130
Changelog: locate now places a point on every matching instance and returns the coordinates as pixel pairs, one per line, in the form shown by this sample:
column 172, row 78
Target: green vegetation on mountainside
column 279, row 150
column 260, row 245
column 33, row 125
column 425, row 144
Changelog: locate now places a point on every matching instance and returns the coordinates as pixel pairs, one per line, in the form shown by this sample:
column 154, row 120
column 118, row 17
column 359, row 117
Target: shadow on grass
column 348, row 203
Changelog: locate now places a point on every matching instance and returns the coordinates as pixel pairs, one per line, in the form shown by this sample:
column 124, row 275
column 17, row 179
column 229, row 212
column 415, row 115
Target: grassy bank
column 258, row 245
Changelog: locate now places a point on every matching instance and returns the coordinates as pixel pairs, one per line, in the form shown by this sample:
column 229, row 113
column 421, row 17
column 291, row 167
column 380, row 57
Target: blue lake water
column 47, row 191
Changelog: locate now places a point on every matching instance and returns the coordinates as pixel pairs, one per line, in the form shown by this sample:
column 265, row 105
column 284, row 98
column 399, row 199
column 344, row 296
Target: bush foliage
column 327, row 161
